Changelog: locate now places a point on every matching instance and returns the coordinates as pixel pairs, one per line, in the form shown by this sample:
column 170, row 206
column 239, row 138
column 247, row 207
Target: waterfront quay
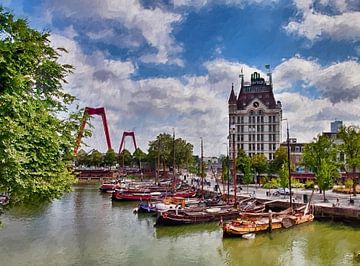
column 337, row 206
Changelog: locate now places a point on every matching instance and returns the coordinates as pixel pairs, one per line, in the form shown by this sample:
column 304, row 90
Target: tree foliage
column 35, row 144
column 280, row 158
column 163, row 148
column 259, row 163
column 243, row 164
column 125, row 158
column 325, row 176
column 351, row 147
column 139, row 156
column 320, row 157
column 110, row 158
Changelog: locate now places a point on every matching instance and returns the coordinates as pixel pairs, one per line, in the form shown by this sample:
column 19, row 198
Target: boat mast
column 202, row 169
column 228, row 173
column 174, row 178
column 158, row 163
column 234, row 168
column 288, row 154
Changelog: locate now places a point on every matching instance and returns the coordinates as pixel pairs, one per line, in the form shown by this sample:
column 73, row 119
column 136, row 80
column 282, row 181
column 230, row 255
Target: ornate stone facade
column 255, row 118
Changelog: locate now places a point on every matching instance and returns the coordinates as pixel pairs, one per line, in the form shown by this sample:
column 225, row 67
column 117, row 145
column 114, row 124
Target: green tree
column 351, row 147
column 183, row 152
column 225, row 167
column 284, row 176
column 325, row 176
column 110, row 157
column 280, row 158
column 125, row 158
column 36, row 145
column 96, row 158
column 243, row 164
column 82, row 158
column 259, row 163
column 163, row 148
column 317, row 157
column 139, row 156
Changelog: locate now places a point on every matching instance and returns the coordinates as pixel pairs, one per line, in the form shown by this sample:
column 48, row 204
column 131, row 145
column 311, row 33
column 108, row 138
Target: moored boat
column 119, row 195
column 264, row 222
column 196, row 215
column 109, row 187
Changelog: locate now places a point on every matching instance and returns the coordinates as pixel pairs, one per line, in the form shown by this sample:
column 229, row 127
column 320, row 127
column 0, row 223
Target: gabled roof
column 266, row 97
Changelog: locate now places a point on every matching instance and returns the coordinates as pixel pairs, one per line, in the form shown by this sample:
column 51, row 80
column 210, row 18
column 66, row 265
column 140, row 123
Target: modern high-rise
column 254, row 118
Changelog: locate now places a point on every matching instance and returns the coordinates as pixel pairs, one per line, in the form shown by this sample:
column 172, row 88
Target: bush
column 349, row 183
column 273, row 183
column 296, row 183
column 309, row 184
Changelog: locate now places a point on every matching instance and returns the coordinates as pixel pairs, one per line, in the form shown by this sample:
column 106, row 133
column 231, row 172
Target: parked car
column 282, row 191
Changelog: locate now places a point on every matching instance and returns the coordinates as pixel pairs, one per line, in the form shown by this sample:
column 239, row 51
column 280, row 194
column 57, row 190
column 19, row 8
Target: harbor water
column 85, row 227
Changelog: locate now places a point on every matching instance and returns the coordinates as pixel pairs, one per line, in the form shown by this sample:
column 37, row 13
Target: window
column 270, row 156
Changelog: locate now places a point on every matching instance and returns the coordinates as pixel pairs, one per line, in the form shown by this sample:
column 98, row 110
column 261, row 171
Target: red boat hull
column 119, row 196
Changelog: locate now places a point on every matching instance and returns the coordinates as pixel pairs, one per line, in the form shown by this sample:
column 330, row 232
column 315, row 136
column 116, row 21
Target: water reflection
column 86, row 228
column 185, row 230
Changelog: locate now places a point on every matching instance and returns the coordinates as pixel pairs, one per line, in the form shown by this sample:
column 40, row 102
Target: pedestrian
column 337, row 202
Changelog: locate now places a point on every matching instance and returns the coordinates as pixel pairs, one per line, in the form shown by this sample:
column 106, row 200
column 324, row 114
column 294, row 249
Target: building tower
column 255, row 117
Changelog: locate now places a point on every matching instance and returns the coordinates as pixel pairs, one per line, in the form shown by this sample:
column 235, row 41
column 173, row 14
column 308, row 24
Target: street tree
column 125, row 158
column 162, row 149
column 110, row 158
column 96, row 158
column 280, row 158
column 82, row 158
column 37, row 130
column 325, row 176
column 317, row 157
column 243, row 164
column 351, row 147
column 283, row 173
column 139, row 156
column 259, row 163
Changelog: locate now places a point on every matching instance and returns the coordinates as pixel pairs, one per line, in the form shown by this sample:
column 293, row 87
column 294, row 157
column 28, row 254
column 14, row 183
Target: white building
column 254, row 118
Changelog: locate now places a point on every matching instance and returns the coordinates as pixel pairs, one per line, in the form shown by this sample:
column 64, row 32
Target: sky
column 159, row 66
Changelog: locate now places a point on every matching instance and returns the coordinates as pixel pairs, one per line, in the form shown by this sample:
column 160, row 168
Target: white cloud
column 314, row 25
column 196, row 106
column 309, row 117
column 337, row 82
column 155, row 25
